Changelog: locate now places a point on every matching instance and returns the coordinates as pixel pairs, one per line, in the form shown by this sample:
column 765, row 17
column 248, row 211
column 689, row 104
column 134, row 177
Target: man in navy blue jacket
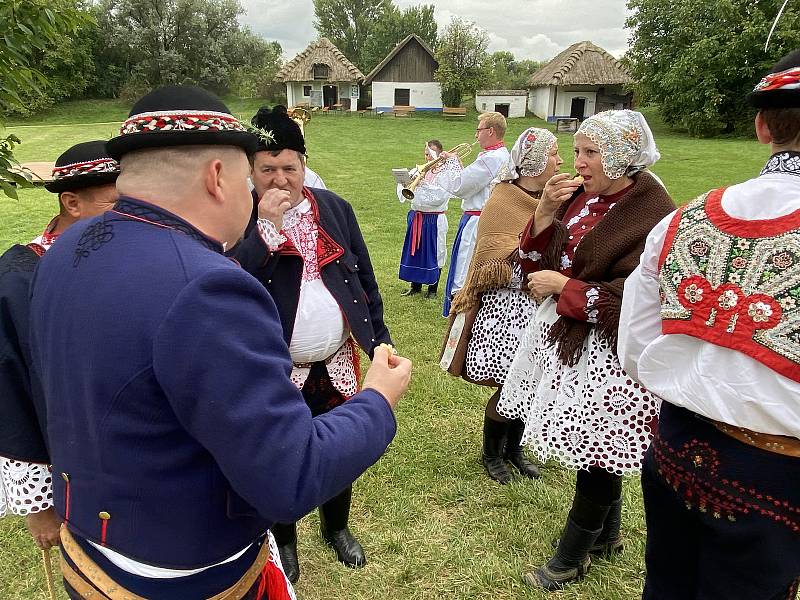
column 176, row 435
column 305, row 246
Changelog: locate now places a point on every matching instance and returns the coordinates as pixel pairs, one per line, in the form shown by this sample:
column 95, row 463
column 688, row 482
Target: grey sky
column 535, row 29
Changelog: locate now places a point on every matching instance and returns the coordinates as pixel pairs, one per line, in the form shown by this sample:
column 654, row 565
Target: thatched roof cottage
column 321, row 76
column 581, row 81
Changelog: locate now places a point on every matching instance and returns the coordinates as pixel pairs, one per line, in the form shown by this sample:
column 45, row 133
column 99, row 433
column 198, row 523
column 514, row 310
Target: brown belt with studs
column 779, row 444
column 93, row 583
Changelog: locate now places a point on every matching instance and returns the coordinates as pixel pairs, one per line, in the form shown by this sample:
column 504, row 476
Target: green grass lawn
column 432, row 524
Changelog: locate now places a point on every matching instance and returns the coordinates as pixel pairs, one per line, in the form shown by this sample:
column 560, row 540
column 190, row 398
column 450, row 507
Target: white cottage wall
column 540, row 101
column 423, row 95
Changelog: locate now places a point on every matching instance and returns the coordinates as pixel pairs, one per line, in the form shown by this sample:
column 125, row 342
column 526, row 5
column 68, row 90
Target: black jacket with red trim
column 345, row 268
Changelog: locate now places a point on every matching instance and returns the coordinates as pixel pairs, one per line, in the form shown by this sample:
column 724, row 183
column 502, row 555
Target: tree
column 347, row 23
column 507, row 73
column 696, row 59
column 463, row 60
column 392, row 28
column 28, row 26
column 146, row 43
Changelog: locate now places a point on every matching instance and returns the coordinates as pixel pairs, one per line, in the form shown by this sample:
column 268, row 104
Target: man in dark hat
column 83, row 178
column 306, row 248
column 710, row 323
column 176, row 435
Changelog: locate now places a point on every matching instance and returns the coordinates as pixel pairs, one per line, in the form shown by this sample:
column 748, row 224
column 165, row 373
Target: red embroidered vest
column 734, row 283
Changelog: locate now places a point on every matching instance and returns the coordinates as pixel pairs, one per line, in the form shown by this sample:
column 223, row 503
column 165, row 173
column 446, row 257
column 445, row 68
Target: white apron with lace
column 592, row 414
column 498, row 329
column 25, row 488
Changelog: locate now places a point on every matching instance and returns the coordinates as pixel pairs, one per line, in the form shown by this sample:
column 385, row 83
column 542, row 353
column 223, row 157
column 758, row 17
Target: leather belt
column 93, row 583
column 779, row 444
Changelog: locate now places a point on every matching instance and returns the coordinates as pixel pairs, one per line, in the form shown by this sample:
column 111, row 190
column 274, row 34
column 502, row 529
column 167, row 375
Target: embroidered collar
column 139, row 210
column 783, row 162
column 48, row 237
column 496, row 146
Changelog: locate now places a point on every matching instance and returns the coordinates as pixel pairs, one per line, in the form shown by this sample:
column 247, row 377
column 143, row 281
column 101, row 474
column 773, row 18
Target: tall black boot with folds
column 494, row 443
column 286, row 538
column 571, row 560
column 432, row 290
column 333, row 518
column 514, row 453
column 610, row 540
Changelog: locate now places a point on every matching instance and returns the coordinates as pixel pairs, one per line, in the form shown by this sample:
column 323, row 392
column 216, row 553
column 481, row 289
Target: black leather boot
column 571, row 561
column 514, row 453
column 286, row 538
column 494, row 442
column 333, row 518
column 432, row 290
column 415, row 288
column 610, row 540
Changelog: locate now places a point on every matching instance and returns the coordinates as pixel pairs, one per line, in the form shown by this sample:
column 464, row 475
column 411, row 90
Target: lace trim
column 24, row 487
column 341, row 370
column 273, row 238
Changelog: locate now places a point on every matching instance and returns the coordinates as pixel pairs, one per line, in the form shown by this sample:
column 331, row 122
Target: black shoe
column 514, row 453
column 348, row 550
column 494, row 442
column 432, row 290
column 289, row 562
column 570, row 563
column 415, row 288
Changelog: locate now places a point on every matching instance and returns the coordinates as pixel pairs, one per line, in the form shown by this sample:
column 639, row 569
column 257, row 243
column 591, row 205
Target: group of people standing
column 180, row 350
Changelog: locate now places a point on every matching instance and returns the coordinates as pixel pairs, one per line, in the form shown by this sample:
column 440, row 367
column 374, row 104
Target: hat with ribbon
column 180, row 115
column 84, row 165
column 780, row 88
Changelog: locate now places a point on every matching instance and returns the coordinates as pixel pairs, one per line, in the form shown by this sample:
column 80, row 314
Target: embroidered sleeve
column 24, row 487
column 532, row 248
column 580, row 300
column 273, row 238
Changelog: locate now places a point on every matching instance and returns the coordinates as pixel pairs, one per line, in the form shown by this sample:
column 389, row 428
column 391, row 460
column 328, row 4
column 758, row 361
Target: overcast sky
column 535, row 29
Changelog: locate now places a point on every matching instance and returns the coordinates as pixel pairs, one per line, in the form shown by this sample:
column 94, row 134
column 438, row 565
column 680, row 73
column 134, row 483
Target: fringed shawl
column 504, row 217
column 605, row 257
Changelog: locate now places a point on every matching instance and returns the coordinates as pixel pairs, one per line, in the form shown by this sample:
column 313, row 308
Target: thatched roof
column 581, row 64
column 502, row 93
column 300, row 68
column 400, row 45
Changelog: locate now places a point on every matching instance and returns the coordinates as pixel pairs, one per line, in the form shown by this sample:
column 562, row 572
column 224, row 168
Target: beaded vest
column 734, row 283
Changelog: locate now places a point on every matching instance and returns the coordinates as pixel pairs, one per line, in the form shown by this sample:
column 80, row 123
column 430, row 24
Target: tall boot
column 514, row 453
column 571, row 560
column 494, row 442
column 333, row 518
column 432, row 290
column 286, row 539
column 610, row 540
column 415, row 288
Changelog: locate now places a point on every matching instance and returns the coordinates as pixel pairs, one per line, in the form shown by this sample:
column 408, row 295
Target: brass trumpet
column 461, row 151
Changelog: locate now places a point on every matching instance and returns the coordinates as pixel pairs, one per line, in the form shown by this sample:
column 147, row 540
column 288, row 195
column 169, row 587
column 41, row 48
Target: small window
column 321, row 71
column 306, row 90
column 402, row 97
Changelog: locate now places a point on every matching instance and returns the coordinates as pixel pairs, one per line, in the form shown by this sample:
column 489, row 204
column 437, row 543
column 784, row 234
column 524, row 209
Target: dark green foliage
column 463, row 60
column 347, row 24
column 698, row 58
column 506, row 73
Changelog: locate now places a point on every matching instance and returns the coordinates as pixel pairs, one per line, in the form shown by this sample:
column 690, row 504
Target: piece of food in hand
column 389, row 347
column 578, row 179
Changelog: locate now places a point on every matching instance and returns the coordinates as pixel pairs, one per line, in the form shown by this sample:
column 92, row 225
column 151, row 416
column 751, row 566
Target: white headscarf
column 530, row 152
column 625, row 141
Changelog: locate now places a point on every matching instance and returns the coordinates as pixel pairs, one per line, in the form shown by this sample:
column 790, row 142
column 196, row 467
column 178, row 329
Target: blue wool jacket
column 168, row 395
column 345, row 268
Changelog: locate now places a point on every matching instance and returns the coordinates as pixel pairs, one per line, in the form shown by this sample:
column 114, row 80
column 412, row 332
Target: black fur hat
column 780, row 88
column 84, row 165
column 281, row 132
column 180, row 115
